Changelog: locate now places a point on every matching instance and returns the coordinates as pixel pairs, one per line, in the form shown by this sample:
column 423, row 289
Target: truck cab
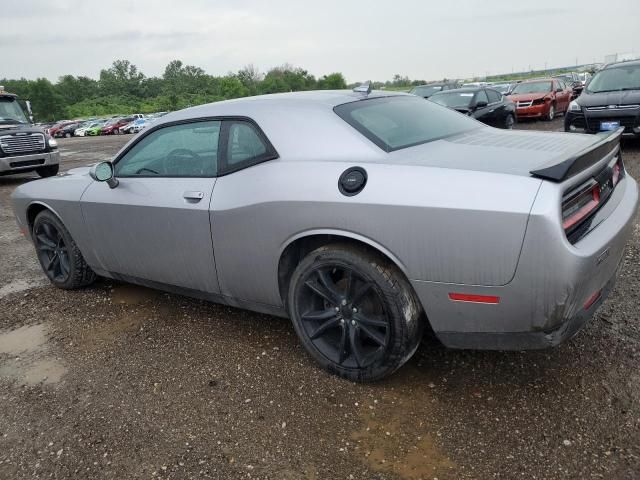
column 23, row 147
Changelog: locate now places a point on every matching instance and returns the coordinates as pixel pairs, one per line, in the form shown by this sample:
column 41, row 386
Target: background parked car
column 115, row 125
column 426, row 91
column 611, row 100
column 484, row 104
column 134, row 127
column 572, row 79
column 84, row 129
column 542, row 98
column 58, row 126
column 68, row 130
column 503, row 88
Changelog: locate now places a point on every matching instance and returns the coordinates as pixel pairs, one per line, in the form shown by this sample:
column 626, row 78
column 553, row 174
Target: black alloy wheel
column 354, row 312
column 344, row 316
column 59, row 256
column 52, row 252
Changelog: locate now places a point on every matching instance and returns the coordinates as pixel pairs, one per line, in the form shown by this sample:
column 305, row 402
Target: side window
column 481, row 96
column 245, row 146
column 494, row 96
column 185, row 150
column 560, row 86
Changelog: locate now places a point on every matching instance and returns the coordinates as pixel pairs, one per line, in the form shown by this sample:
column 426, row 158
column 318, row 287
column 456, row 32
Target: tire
column 354, row 313
column 67, row 135
column 48, row 171
column 552, row 113
column 509, row 122
column 59, row 256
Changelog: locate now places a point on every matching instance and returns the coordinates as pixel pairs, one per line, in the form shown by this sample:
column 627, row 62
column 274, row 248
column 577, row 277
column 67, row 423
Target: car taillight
column 579, row 204
column 618, row 171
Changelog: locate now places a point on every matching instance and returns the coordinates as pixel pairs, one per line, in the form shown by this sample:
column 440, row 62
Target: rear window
column 399, row 122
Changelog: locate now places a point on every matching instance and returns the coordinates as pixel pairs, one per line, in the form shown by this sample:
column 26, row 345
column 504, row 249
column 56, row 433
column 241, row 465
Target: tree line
column 123, row 88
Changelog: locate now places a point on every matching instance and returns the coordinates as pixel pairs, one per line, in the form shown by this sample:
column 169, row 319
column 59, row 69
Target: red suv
column 541, row 98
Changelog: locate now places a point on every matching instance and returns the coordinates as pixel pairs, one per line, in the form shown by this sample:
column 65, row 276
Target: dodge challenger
column 362, row 216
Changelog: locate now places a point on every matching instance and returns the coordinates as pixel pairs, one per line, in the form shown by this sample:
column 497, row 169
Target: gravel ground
column 118, row 381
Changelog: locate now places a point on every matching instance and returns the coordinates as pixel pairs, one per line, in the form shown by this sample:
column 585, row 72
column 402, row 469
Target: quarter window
column 245, row 146
column 185, row 150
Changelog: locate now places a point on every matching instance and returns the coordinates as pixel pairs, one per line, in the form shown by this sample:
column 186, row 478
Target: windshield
column 453, row 99
column 533, row 87
column 614, row 79
column 426, row 90
column 10, row 111
column 399, row 122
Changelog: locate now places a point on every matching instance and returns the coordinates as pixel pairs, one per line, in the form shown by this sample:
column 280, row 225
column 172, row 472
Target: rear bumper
column 550, row 296
column 26, row 163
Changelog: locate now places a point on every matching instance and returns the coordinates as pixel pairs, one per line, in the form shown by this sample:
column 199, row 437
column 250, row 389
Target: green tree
column 121, row 78
column 47, row 104
column 287, row 78
column 333, row 81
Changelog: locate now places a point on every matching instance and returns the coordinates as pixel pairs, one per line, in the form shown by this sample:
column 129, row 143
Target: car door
column 562, row 96
column 496, row 115
column 155, row 224
column 482, row 110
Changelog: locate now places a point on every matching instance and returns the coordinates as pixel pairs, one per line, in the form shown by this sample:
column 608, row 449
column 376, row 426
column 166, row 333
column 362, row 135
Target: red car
column 58, row 126
column 541, row 98
column 114, row 126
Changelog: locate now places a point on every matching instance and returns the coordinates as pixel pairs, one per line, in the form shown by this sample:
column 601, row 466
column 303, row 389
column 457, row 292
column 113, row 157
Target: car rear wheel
column 355, row 313
column 552, row 113
column 58, row 254
column 509, row 122
column 48, row 171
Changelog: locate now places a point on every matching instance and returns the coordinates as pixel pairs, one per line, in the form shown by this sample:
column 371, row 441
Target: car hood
column 525, row 97
column 10, row 129
column 492, row 150
column 627, row 97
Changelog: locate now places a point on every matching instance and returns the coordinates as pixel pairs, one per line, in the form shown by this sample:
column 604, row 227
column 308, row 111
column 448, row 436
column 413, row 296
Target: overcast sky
column 364, row 39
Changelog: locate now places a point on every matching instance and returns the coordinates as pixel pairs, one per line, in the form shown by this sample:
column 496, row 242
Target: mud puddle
column 128, row 294
column 25, row 356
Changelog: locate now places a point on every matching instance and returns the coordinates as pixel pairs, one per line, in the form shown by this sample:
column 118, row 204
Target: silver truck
column 23, row 147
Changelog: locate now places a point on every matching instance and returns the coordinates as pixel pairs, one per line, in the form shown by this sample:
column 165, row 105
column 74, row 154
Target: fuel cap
column 352, row 181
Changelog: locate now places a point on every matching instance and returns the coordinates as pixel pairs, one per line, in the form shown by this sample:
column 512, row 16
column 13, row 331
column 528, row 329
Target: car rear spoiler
column 582, row 160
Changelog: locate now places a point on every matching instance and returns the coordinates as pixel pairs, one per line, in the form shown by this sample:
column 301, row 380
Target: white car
column 134, row 127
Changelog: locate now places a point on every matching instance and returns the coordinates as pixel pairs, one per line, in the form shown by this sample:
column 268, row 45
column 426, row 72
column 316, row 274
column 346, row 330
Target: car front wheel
column 552, row 113
column 355, row 313
column 509, row 122
column 59, row 256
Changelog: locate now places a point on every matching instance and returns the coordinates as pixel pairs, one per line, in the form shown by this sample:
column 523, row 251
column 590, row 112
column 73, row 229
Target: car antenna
column 364, row 88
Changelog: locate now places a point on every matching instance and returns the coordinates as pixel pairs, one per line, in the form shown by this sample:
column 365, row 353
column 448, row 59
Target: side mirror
column 103, row 172
column 481, row 104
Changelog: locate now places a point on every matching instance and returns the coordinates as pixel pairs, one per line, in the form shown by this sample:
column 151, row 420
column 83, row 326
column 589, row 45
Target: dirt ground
column 121, row 382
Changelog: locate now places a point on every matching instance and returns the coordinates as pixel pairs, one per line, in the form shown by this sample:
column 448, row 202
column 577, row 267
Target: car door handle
column 193, row 195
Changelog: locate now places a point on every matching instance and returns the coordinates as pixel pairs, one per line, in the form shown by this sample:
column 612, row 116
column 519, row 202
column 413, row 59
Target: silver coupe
column 365, row 217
